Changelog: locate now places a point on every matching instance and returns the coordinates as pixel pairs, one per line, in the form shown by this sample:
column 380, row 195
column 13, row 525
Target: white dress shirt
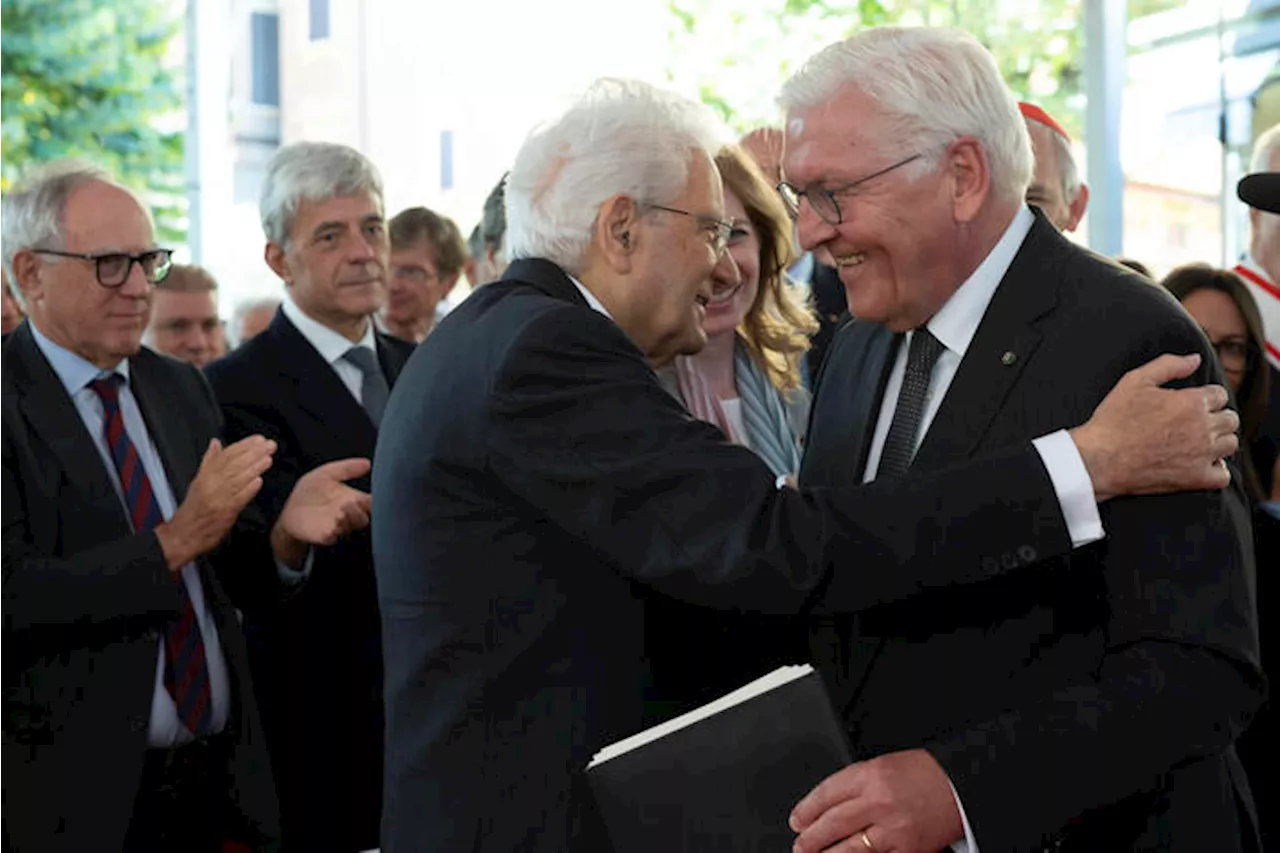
column 954, row 326
column 332, row 346
column 164, row 729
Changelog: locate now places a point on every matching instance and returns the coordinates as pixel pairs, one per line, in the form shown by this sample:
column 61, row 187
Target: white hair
column 622, row 137
column 34, row 212
column 1068, row 172
column 312, row 171
column 935, row 85
column 1266, row 151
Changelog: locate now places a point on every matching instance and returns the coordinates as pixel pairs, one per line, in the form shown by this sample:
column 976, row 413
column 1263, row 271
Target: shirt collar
column 331, row 345
column 957, row 321
column 74, row 371
column 595, row 304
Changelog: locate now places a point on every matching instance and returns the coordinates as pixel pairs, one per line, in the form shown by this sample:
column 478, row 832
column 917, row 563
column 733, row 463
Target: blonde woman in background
column 746, row 380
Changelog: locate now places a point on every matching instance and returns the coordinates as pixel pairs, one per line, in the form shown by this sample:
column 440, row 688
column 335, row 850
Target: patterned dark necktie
column 373, row 386
column 186, row 673
column 900, row 444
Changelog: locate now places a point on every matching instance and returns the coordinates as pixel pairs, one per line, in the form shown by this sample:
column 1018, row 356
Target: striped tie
column 186, row 676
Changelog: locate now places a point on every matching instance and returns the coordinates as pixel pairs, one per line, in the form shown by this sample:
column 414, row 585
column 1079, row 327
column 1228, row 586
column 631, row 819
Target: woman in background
column 746, row 380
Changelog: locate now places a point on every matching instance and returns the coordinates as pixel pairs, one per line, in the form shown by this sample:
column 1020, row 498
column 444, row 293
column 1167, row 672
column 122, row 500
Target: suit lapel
column 882, row 347
column 1004, row 343
column 45, row 404
column 318, row 389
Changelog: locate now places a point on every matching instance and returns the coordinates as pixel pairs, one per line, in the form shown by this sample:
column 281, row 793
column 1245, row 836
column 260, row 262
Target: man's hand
column 228, row 479
column 902, row 801
column 320, row 509
column 1144, row 439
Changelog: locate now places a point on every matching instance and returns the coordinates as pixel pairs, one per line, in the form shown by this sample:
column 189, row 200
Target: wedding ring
column 866, row 842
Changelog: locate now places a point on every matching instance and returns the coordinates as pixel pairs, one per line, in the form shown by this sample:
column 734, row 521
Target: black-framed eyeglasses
column 823, row 200
column 721, row 230
column 113, row 268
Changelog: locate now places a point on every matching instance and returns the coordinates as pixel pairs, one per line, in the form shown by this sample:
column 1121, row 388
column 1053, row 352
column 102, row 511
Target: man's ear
column 617, row 234
column 447, row 284
column 278, row 260
column 27, row 270
column 967, row 168
column 1077, row 208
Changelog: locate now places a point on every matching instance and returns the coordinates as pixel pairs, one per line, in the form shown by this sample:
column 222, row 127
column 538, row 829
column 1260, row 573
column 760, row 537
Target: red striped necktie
column 186, row 674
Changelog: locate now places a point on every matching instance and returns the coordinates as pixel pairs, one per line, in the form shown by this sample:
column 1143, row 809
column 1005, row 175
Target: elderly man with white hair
column 316, row 381
column 1089, row 702
column 1056, row 186
column 535, row 483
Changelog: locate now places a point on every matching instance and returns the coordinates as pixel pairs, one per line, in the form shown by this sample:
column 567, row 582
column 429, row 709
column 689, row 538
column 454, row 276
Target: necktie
column 373, row 386
column 900, row 444
column 186, row 675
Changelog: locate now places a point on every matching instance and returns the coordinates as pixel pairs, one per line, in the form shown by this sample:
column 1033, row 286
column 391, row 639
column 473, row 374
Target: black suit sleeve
column 582, row 431
column 125, row 578
column 1179, row 679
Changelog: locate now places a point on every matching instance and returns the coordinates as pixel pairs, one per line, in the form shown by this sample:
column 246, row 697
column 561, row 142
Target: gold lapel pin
column 1008, row 358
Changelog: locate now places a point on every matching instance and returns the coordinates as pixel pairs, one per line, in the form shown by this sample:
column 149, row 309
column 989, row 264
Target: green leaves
column 1039, row 47
column 81, row 78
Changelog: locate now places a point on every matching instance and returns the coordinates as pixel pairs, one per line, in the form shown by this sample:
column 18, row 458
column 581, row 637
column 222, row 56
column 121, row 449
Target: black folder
column 727, row 781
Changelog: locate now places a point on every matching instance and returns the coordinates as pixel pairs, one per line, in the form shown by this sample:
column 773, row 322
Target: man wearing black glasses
column 129, row 720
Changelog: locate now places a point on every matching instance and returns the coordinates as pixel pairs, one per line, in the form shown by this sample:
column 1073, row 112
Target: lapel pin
column 1008, row 358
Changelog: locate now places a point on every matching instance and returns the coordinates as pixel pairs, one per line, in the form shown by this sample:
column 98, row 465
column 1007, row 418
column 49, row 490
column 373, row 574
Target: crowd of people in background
column 378, row 576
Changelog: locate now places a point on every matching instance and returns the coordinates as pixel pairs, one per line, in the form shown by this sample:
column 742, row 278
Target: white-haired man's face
column 895, row 238
column 663, row 258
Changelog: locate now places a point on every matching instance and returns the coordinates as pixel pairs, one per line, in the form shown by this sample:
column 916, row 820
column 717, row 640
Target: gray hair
column 935, row 86
column 623, row 137
column 493, row 225
column 312, row 171
column 1266, row 150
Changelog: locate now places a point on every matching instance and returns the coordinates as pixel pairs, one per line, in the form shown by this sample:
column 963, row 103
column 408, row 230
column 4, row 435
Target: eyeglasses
column 113, row 268
column 823, row 201
column 417, row 275
column 1233, row 354
column 720, row 230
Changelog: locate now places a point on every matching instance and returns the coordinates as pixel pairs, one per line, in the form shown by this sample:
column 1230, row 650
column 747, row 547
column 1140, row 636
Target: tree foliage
column 1039, row 45
column 95, row 80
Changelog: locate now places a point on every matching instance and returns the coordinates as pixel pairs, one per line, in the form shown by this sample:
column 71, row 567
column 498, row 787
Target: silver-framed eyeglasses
column 113, row 268
column 823, row 200
column 720, row 229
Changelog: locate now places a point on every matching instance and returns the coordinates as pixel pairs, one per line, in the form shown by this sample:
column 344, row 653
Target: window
column 266, row 58
column 319, row 20
column 446, row 159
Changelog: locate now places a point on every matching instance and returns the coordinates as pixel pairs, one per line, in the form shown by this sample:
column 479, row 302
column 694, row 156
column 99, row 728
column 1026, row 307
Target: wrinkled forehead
column 832, row 142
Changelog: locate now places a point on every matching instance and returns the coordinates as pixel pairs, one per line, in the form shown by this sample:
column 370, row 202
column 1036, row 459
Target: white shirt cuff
column 969, row 845
column 292, row 577
column 1073, row 486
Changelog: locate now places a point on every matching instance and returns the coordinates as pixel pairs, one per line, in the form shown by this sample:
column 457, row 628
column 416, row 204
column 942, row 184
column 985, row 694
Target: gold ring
column 866, row 842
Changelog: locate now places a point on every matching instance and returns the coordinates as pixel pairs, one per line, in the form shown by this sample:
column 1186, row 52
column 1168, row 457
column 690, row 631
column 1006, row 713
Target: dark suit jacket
column 831, row 306
column 318, row 656
column 534, row 484
column 1093, row 699
column 85, row 600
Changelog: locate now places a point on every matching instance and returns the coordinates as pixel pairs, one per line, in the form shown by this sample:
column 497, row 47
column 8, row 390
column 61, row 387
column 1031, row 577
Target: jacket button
column 990, row 566
column 1027, row 553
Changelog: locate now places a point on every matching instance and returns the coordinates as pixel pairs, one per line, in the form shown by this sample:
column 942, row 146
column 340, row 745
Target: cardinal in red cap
column 1260, row 268
column 1056, row 187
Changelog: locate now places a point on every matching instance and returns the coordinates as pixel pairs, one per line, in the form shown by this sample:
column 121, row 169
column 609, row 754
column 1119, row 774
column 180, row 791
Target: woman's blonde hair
column 778, row 324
